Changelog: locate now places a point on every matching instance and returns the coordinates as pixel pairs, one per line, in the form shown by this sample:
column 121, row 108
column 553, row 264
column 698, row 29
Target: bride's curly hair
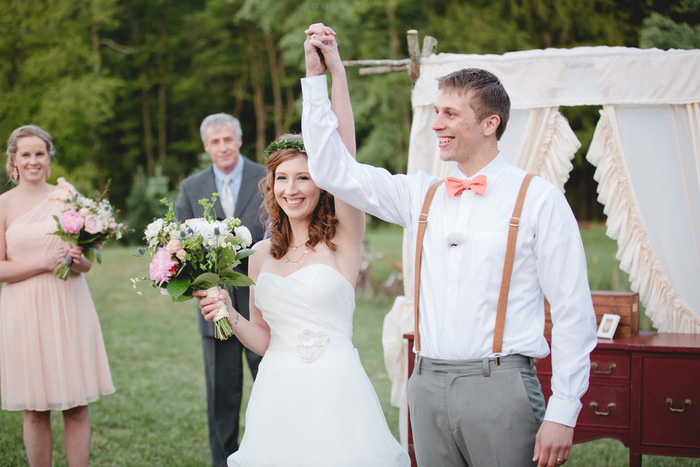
column 323, row 223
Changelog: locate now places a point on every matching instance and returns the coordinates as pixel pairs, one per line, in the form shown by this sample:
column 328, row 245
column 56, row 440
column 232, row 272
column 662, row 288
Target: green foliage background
column 123, row 85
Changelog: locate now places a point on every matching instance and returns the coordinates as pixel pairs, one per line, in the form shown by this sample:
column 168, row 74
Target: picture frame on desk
column 608, row 326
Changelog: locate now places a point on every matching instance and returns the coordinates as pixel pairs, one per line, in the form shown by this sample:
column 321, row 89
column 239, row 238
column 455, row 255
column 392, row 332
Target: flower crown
column 287, row 143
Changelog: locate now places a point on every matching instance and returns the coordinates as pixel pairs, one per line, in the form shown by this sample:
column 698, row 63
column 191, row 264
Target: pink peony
column 71, row 222
column 93, row 225
column 162, row 267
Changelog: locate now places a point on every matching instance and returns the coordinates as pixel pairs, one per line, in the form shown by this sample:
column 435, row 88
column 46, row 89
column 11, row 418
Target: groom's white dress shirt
column 464, row 252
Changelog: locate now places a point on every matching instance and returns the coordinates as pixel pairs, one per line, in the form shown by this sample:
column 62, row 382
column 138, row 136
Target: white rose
column 153, row 229
column 244, row 236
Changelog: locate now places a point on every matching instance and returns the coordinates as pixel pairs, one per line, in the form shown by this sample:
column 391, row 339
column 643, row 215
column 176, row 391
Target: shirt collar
column 492, row 170
column 235, row 173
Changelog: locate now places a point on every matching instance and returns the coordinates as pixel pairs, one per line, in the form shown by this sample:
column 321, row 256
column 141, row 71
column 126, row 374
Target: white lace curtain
column 646, row 148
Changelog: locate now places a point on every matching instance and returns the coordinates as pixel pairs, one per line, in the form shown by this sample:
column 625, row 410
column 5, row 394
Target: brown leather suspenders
column 507, row 266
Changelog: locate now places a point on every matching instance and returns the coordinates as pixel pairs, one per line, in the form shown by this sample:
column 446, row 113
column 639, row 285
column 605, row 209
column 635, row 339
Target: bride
column 312, row 403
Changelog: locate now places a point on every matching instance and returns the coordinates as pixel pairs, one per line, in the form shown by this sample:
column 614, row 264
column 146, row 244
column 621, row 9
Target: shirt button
column 451, row 292
column 449, row 325
column 454, row 259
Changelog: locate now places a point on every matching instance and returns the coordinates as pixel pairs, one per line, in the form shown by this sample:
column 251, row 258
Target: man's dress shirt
column 464, row 252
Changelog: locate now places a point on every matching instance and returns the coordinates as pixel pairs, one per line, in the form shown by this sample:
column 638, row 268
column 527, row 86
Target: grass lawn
column 158, row 416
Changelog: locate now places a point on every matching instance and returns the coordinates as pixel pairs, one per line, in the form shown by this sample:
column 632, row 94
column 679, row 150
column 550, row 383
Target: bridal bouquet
column 85, row 222
column 197, row 254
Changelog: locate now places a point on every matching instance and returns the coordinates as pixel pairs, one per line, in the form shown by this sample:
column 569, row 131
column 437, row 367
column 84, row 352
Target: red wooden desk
column 644, row 391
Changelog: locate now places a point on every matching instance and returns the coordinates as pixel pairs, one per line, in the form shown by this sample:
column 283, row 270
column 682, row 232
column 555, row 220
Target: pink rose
column 173, row 245
column 63, row 190
column 93, row 225
column 84, row 212
column 71, row 222
column 162, row 267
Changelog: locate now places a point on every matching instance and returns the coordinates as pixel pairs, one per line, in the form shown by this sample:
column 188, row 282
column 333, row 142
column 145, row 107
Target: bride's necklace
column 296, row 263
column 294, row 247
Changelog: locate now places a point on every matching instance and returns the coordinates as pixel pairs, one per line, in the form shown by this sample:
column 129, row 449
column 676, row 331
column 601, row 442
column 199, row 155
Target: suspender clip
column 497, row 359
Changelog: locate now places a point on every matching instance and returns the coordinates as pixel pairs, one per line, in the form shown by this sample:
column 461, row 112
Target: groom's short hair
column 489, row 95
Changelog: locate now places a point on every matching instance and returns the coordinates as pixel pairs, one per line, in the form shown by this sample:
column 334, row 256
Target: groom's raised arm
column 333, row 168
column 370, row 189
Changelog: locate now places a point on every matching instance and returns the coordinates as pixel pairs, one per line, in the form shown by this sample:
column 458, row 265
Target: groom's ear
column 490, row 125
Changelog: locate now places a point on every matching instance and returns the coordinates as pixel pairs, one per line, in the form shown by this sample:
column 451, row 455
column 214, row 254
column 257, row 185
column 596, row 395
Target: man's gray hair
column 216, row 121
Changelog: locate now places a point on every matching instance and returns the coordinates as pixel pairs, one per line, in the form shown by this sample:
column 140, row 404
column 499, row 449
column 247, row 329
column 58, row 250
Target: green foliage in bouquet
column 197, row 254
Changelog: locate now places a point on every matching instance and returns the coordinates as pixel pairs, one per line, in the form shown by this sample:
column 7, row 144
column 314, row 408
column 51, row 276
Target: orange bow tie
column 456, row 186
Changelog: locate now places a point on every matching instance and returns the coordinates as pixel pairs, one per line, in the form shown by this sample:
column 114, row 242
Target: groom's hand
column 552, row 444
column 318, row 37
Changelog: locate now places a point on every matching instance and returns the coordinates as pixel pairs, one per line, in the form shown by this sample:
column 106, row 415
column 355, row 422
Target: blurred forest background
column 123, row 85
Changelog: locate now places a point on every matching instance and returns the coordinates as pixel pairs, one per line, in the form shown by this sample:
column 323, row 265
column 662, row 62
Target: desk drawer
column 605, row 406
column 616, row 415
column 610, row 365
column 604, row 364
column 671, row 401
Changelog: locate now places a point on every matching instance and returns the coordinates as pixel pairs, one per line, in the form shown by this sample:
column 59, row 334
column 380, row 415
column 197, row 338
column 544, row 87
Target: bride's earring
column 15, row 174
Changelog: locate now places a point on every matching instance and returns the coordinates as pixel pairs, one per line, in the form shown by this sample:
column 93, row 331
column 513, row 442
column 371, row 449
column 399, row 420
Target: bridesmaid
column 52, row 356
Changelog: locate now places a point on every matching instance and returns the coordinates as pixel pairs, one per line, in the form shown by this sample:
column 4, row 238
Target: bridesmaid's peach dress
column 52, row 356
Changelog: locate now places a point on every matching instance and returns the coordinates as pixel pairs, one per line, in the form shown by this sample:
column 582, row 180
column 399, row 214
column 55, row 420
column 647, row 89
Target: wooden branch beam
column 412, row 65
column 401, row 62
column 380, row 70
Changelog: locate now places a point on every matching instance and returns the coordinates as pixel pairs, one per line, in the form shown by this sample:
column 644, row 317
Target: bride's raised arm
column 322, row 38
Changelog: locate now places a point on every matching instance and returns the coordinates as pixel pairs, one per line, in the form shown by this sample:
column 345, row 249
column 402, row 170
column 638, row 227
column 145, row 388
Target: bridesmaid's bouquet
column 86, row 222
column 197, row 254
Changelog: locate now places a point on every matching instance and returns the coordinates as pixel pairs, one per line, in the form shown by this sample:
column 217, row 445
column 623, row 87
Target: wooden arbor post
column 411, row 65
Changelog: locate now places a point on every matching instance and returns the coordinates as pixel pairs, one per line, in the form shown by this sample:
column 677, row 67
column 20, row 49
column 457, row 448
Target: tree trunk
column 147, row 126
column 162, row 117
column 276, row 87
column 257, row 77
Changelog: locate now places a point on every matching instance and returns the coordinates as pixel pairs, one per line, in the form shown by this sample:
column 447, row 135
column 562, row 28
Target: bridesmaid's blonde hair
column 23, row 132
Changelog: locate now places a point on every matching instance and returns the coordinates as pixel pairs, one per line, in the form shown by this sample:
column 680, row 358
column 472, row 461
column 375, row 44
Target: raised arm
column 329, row 139
column 351, row 221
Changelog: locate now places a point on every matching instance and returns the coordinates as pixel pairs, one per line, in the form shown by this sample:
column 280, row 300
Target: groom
column 474, row 397
column 235, row 178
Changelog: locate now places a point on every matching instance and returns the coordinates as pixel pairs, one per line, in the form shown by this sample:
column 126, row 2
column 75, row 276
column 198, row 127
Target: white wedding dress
column 312, row 404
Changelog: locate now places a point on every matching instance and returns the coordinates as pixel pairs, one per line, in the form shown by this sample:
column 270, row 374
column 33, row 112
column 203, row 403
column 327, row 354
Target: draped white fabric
column 646, row 148
column 648, row 170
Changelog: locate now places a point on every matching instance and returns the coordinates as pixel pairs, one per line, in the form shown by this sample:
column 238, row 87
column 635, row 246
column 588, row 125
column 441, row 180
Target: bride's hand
column 210, row 306
column 316, row 34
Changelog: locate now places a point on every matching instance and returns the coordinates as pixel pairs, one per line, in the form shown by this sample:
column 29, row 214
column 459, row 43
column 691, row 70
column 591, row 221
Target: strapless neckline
column 309, row 266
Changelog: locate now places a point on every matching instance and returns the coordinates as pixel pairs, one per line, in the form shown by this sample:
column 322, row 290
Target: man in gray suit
column 235, row 178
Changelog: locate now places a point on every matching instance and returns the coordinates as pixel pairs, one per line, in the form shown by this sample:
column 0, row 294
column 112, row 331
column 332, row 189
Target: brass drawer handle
column 594, row 405
column 594, row 369
column 669, row 404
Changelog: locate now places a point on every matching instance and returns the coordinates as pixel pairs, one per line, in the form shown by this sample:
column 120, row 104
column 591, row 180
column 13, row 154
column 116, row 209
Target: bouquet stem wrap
column 63, row 270
column 222, row 323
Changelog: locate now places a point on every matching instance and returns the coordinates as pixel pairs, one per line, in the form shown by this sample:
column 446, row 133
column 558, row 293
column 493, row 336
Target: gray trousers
column 475, row 412
column 223, row 371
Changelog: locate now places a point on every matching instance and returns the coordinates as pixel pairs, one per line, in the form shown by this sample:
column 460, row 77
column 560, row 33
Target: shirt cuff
column 314, row 88
column 563, row 412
